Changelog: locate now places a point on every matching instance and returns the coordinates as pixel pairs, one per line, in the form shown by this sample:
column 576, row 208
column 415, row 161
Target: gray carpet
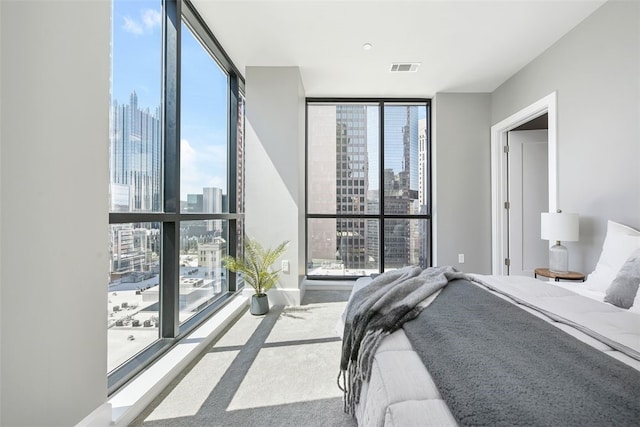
column 274, row 370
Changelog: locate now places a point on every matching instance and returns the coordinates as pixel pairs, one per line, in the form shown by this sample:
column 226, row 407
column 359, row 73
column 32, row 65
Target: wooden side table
column 545, row 272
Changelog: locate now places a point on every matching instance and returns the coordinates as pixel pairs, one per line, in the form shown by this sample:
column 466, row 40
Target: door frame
column 499, row 178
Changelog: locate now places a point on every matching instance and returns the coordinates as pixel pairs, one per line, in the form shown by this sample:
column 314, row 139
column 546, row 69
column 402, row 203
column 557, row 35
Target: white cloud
column 217, row 153
column 201, row 168
column 132, row 26
column 149, row 19
column 188, row 163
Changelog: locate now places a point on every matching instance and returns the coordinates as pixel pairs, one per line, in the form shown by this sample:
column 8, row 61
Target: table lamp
column 559, row 226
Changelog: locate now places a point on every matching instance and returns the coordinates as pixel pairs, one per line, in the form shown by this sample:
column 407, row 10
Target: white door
column 528, row 198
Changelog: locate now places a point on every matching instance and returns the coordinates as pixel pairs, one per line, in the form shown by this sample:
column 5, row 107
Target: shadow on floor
column 308, row 414
column 321, row 296
column 213, row 411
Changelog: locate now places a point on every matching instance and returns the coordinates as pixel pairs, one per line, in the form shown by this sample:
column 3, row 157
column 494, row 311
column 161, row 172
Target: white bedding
column 402, row 393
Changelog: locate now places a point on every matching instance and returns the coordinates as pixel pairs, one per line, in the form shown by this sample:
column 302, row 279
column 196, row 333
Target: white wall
column 275, row 168
column 595, row 70
column 54, row 189
column 0, row 212
column 462, row 180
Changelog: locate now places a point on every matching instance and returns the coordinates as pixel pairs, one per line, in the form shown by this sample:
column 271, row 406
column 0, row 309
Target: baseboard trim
column 279, row 296
column 328, row 285
column 101, row 416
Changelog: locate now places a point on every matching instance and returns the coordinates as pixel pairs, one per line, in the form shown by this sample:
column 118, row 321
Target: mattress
column 402, row 392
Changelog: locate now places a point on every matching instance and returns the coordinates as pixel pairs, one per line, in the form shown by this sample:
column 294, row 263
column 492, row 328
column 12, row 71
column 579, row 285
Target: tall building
column 240, row 153
column 322, row 181
column 423, row 183
column 422, row 163
column 352, row 183
column 135, row 183
column 401, row 185
column 131, row 249
column 136, row 161
column 212, row 203
column 195, row 203
column 210, row 259
column 373, row 229
column 240, row 183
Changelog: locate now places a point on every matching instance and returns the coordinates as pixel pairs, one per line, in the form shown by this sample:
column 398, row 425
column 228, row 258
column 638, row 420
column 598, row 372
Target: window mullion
column 232, row 174
column 381, row 195
column 429, row 186
column 169, row 280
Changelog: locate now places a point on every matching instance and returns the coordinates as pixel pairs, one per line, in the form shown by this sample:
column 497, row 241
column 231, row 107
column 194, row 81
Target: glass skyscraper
column 136, row 160
column 136, row 183
column 401, row 184
column 352, row 172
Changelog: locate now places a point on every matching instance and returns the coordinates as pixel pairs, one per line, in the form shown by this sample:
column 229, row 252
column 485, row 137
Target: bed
column 573, row 358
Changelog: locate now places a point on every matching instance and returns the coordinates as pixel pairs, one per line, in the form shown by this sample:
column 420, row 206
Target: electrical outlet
column 461, row 258
column 285, row 266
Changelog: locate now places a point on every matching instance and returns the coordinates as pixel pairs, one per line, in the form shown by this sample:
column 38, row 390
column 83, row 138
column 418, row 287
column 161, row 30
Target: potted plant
column 255, row 267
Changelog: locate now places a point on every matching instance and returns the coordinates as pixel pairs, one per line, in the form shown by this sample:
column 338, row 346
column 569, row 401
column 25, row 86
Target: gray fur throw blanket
column 377, row 310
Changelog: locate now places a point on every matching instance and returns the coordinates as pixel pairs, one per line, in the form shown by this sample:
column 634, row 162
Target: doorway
column 500, row 183
column 528, row 184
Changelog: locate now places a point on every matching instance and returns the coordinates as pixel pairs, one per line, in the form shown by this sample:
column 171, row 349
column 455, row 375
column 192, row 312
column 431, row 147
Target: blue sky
column 136, row 61
column 136, row 66
column 373, row 135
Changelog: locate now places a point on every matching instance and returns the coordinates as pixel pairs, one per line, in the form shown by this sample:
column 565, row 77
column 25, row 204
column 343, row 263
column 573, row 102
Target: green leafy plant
column 255, row 265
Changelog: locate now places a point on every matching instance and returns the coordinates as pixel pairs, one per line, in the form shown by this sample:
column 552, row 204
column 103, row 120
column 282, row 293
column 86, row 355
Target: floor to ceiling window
column 368, row 186
column 176, row 179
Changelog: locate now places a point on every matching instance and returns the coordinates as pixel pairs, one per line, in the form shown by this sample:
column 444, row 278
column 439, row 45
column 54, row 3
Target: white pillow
column 619, row 244
column 624, row 287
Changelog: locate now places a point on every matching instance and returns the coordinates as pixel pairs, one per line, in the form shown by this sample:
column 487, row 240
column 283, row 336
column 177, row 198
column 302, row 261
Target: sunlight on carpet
column 289, row 374
column 190, row 394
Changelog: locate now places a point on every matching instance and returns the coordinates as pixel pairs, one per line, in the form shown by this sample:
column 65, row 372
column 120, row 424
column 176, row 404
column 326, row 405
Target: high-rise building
column 136, row 160
column 352, row 183
column 373, row 229
column 135, row 183
column 131, row 249
column 195, row 203
column 422, row 163
column 322, row 181
column 401, row 185
column 240, row 153
column 210, row 258
column 423, row 182
column 212, row 203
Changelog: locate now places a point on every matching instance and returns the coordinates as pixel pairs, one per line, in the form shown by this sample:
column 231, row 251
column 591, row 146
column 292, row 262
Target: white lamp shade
column 559, row 226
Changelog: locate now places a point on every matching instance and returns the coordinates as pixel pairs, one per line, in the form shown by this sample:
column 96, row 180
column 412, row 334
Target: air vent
column 404, row 67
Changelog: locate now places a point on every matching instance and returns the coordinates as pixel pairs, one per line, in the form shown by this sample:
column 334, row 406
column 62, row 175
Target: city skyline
column 136, row 65
column 136, row 177
column 345, row 183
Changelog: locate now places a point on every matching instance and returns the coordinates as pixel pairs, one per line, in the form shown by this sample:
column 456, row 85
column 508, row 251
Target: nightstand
column 570, row 275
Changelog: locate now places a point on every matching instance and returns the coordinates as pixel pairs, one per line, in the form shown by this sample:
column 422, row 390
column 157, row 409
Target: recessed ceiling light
column 367, row 46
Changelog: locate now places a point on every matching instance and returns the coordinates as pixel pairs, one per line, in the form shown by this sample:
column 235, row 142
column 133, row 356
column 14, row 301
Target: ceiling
column 463, row 46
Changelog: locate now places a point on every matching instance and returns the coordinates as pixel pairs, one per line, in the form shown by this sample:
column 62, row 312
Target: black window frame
column 380, row 216
column 174, row 12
